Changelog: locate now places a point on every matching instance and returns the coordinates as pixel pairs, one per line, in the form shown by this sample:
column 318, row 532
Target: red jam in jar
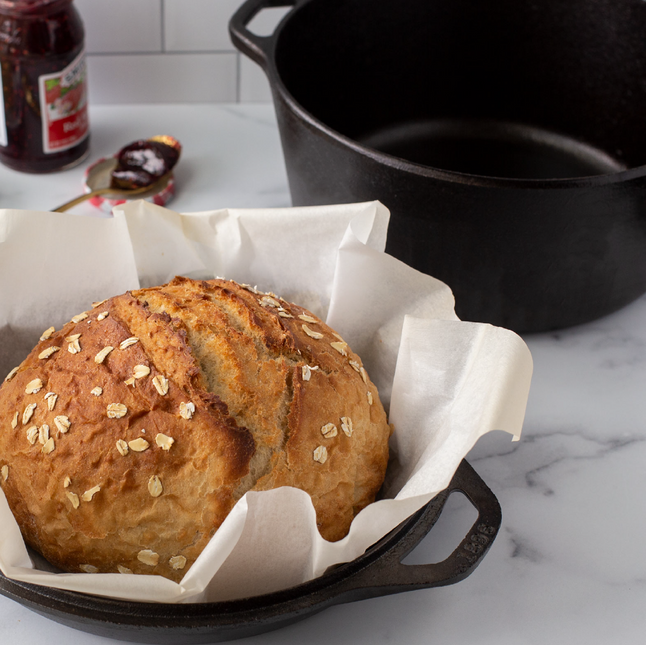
column 43, row 115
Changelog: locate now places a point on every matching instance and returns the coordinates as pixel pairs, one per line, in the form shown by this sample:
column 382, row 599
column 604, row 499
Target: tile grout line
column 238, row 78
column 188, row 52
column 162, row 24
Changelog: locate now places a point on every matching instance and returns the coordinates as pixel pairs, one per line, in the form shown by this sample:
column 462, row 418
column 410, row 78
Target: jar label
column 63, row 105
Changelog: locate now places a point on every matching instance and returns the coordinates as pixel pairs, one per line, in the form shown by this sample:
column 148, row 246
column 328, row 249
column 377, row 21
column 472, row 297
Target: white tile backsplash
column 264, row 22
column 171, row 78
column 170, row 51
column 254, row 86
column 198, row 25
column 118, row 26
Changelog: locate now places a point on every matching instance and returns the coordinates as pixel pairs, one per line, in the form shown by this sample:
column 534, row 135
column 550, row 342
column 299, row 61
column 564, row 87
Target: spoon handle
column 116, row 192
column 73, row 202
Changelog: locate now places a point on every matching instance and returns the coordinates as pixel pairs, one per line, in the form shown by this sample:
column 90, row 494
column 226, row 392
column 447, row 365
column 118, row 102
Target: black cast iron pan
column 377, row 572
column 506, row 138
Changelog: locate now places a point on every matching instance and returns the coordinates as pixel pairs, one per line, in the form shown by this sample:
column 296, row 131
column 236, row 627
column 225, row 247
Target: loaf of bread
column 128, row 435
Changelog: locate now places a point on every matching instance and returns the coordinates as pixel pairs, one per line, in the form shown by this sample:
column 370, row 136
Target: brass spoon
column 99, row 179
column 153, row 188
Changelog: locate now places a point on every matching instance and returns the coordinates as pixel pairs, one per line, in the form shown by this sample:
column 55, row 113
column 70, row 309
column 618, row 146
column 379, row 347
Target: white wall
column 170, row 51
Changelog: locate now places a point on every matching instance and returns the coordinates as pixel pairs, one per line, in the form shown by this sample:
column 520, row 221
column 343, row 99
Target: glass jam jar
column 43, row 115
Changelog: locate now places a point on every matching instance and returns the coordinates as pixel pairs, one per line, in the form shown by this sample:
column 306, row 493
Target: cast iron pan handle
column 388, row 575
column 257, row 48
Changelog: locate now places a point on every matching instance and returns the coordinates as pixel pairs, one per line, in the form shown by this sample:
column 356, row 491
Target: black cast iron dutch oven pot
column 507, row 138
column 377, row 572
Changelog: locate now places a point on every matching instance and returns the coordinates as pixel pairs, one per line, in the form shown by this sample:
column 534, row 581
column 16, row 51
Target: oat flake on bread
column 227, row 389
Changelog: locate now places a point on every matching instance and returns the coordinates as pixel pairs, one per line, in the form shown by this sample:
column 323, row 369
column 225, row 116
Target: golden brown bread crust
column 132, row 457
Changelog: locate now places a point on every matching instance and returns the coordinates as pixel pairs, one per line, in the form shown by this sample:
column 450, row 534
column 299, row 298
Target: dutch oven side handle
column 388, row 575
column 256, row 47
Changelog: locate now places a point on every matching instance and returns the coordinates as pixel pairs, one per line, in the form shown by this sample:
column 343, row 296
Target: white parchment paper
column 445, row 382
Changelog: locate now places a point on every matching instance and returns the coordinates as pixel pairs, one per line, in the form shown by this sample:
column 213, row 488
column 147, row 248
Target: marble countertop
column 567, row 566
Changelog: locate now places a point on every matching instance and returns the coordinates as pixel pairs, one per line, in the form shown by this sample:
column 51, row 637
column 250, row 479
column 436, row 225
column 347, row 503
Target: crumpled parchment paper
column 445, row 382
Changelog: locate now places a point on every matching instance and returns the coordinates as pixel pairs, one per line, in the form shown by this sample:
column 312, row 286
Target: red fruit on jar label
column 63, row 106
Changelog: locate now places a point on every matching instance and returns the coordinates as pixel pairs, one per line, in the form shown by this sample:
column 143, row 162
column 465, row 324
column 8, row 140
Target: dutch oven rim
column 262, row 50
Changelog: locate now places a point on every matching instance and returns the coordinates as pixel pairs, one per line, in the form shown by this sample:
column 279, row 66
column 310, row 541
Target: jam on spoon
column 143, row 162
column 140, row 169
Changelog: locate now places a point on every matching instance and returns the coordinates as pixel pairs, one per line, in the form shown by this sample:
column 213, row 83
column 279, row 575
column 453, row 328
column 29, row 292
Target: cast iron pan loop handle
column 256, row 47
column 388, row 575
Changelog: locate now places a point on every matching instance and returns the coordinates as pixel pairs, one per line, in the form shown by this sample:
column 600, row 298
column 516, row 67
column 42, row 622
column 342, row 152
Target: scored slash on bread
column 175, row 401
